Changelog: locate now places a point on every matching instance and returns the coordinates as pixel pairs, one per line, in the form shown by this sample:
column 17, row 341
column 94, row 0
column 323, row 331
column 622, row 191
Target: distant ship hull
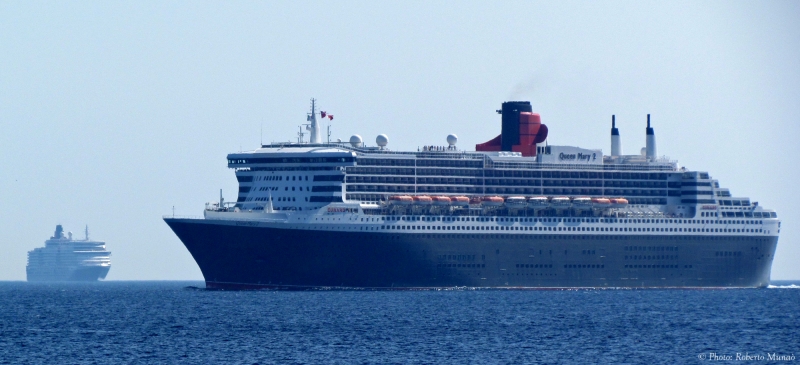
column 244, row 255
column 51, row 274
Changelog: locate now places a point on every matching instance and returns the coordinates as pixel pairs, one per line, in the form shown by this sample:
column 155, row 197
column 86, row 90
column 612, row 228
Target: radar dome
column 644, row 151
column 452, row 139
column 382, row 140
column 356, row 140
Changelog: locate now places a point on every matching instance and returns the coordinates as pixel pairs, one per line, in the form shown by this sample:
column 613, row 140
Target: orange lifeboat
column 459, row 200
column 492, row 201
column 400, row 200
column 441, row 200
column 601, row 202
column 422, row 200
column 618, row 202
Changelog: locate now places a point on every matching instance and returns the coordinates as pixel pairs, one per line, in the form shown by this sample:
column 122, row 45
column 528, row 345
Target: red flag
column 322, row 114
column 330, row 116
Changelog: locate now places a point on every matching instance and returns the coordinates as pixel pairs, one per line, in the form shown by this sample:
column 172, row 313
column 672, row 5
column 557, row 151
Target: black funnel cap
column 510, row 130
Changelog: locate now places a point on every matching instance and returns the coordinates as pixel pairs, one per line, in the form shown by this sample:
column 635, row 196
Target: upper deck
column 518, row 164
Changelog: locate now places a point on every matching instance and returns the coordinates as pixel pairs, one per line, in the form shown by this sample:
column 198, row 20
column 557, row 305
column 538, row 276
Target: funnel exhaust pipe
column 616, row 142
column 651, row 151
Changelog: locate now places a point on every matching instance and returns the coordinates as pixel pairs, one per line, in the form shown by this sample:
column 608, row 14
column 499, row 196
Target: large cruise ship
column 67, row 259
column 515, row 213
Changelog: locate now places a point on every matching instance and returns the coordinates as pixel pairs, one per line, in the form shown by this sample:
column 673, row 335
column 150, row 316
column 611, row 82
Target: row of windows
column 325, row 188
column 451, row 163
column 249, row 178
column 337, row 178
column 278, row 199
column 293, row 168
column 696, row 175
column 735, row 203
column 577, row 174
column 727, row 253
column 657, row 266
column 649, row 257
column 572, row 237
column 380, row 171
column 326, row 199
column 571, row 175
column 691, row 193
column 474, row 163
column 568, row 229
column 534, row 266
column 253, row 160
column 698, row 201
column 587, row 266
column 381, row 179
column 384, row 162
column 382, row 188
column 509, row 191
column 565, row 220
column 471, row 266
column 651, row 248
column 588, row 252
column 459, row 257
column 750, row 214
column 695, row 183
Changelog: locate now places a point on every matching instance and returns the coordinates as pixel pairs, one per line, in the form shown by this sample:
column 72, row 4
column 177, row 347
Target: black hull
column 251, row 257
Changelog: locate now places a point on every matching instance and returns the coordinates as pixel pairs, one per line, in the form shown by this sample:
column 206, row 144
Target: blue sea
column 179, row 322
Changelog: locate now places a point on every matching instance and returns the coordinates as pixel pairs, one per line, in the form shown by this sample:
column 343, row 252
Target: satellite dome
column 452, row 139
column 382, row 140
column 644, row 151
column 356, row 140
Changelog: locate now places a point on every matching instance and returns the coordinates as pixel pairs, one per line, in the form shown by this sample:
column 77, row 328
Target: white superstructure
column 66, row 259
column 561, row 189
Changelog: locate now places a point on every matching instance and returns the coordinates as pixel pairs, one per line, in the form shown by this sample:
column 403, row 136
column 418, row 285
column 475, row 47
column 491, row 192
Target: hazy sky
column 113, row 112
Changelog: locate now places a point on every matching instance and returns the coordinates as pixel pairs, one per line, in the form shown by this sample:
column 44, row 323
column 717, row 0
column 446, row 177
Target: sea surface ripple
column 169, row 322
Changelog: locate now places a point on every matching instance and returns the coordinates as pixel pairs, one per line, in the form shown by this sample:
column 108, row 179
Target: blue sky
column 112, row 113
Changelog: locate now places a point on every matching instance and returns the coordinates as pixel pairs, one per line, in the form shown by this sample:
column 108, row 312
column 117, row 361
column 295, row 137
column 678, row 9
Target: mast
column 86, row 232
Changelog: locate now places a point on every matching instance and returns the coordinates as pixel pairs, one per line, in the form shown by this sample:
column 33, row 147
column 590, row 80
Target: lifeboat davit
column 459, row 200
column 492, row 201
column 401, row 200
column 560, row 202
column 475, row 200
column 618, row 202
column 516, row 202
column 422, row 200
column 441, row 200
column 538, row 202
column 582, row 203
column 601, row 202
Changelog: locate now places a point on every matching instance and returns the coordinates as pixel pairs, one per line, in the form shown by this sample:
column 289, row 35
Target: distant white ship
column 65, row 259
